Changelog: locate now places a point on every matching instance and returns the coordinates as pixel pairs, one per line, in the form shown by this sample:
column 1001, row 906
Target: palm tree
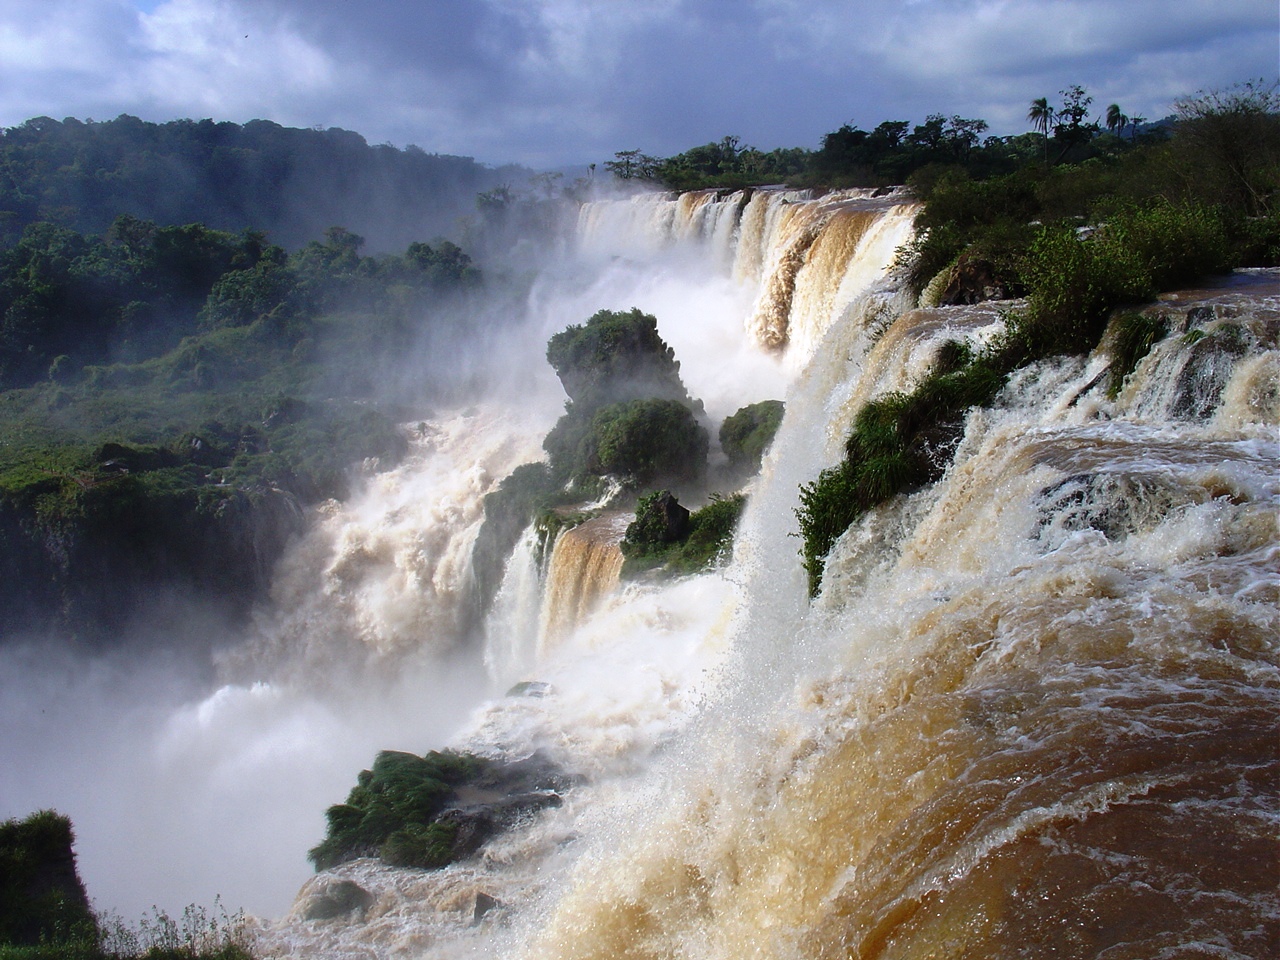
column 1116, row 121
column 1042, row 116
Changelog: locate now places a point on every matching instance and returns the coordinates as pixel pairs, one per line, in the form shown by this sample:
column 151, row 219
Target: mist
column 196, row 758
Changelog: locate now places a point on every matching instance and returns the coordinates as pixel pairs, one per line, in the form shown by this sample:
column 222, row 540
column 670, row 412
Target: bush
column 392, row 810
column 1134, row 336
column 898, row 443
column 424, row 847
column 647, row 440
column 1075, row 282
column 41, row 896
column 665, row 535
column 614, row 357
column 745, row 435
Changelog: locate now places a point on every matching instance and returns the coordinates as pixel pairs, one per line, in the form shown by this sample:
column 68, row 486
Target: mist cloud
column 553, row 81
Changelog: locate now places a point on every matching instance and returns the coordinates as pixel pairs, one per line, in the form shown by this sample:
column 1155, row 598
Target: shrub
column 392, row 806
column 745, row 435
column 647, row 440
column 1134, row 336
column 425, row 847
column 642, row 441
column 41, row 896
column 898, row 442
column 1171, row 244
column 666, row 535
column 615, row 356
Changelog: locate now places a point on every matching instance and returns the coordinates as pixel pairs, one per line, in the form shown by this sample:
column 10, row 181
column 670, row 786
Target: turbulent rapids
column 1032, row 712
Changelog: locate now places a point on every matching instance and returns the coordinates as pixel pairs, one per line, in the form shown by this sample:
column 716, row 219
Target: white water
column 988, row 686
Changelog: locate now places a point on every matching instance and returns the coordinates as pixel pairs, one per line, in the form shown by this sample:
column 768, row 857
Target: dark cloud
column 551, row 81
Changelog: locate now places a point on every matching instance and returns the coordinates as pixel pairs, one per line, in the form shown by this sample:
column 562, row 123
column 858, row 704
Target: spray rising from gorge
column 1031, row 709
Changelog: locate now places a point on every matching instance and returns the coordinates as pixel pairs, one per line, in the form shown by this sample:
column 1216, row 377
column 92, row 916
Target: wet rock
column 1208, row 368
column 531, row 688
column 663, row 519
column 1115, row 505
column 974, row 281
column 503, row 795
column 476, row 825
column 484, row 904
column 336, row 898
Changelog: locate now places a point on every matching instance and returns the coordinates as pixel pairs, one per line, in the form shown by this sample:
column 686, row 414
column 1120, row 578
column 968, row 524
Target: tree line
column 289, row 183
column 1238, row 121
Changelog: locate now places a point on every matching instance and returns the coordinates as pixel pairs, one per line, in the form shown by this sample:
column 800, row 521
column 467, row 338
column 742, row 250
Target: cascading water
column 1031, row 713
column 584, row 567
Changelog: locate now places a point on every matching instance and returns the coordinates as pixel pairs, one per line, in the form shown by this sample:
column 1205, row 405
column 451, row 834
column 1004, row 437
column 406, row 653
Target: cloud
column 549, row 81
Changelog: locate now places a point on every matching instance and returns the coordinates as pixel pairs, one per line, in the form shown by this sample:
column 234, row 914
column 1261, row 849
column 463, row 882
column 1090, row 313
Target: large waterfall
column 1032, row 712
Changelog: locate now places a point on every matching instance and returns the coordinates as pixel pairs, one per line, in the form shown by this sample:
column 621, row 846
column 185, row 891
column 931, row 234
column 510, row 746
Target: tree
column 1116, row 120
column 1072, row 130
column 1231, row 140
column 632, row 165
column 1042, row 118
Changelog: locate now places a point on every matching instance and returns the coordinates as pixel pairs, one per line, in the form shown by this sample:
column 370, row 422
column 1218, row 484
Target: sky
column 557, row 82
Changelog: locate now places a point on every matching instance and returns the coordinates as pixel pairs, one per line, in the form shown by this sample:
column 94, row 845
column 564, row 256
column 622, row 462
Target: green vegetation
column 391, row 812
column 290, row 183
column 899, row 442
column 251, row 382
column 629, row 421
column 628, row 414
column 644, row 441
column 613, row 357
column 746, row 435
column 1154, row 223
column 427, row 812
column 1134, row 336
column 45, row 914
column 41, row 897
column 665, row 535
column 726, row 163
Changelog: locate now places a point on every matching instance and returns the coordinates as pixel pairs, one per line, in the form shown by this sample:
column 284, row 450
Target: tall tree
column 1042, row 117
column 1116, row 120
column 1072, row 129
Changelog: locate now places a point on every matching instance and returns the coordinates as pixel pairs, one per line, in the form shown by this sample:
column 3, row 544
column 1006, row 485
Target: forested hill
column 289, row 183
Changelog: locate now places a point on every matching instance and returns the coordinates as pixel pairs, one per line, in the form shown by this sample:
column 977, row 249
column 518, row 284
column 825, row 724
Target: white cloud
column 559, row 80
column 224, row 59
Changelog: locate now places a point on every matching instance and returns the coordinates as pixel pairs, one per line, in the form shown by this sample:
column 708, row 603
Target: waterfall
column 1031, row 712
column 584, row 567
column 809, row 257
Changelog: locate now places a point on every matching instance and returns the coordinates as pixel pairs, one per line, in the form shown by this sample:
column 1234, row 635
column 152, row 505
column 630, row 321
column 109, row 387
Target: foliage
column 746, row 435
column 199, row 934
column 645, row 440
column 629, row 414
column 706, row 540
column 1227, row 146
column 899, row 442
column 615, row 356
column 1073, row 282
column 392, row 810
column 41, row 897
column 290, row 183
column 263, row 382
column 724, row 163
column 1134, row 336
